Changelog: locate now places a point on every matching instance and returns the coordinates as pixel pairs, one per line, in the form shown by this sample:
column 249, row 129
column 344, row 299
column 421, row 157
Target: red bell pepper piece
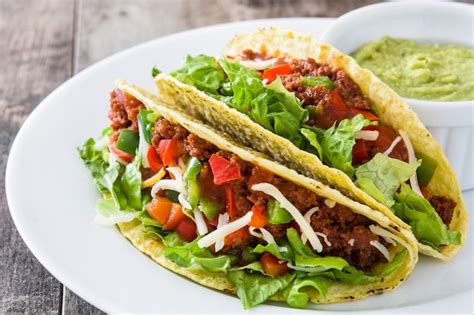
column 367, row 114
column 186, row 229
column 237, row 237
column 359, row 152
column 169, row 151
column 271, row 74
column 153, row 159
column 224, row 170
column 230, row 202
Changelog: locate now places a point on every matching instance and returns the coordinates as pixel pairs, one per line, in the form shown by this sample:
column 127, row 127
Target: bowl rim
column 361, row 13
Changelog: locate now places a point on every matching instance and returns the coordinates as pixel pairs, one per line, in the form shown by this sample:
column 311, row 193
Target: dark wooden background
column 43, row 43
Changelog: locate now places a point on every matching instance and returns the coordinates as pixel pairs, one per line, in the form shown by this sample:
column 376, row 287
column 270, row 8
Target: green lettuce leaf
column 337, row 143
column 312, row 137
column 108, row 213
column 386, row 175
column 274, row 249
column 425, row 222
column 131, row 182
column 296, row 298
column 245, row 82
column 190, row 255
column 201, row 71
column 255, row 288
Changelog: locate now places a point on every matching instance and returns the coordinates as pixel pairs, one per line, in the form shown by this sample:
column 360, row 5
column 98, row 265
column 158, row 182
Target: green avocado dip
column 421, row 71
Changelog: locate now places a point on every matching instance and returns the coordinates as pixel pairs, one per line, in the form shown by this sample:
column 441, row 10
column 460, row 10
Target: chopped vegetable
column 155, row 72
column 271, row 74
column 276, row 214
column 175, row 217
column 159, row 209
column 121, row 156
column 359, row 152
column 153, row 159
column 186, row 229
column 367, row 114
column 230, row 202
column 272, row 266
column 426, row 170
column 169, row 151
column 323, row 81
column 210, row 208
column 224, row 170
column 128, row 141
column 259, row 217
column 237, row 237
column 190, row 177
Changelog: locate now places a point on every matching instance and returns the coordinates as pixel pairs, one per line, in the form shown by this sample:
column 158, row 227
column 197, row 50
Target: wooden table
column 42, row 44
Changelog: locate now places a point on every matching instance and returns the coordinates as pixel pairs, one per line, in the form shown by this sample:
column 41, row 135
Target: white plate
column 52, row 198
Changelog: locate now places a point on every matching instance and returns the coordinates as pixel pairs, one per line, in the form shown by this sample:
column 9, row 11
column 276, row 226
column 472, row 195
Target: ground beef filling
column 444, row 207
column 123, row 110
column 340, row 224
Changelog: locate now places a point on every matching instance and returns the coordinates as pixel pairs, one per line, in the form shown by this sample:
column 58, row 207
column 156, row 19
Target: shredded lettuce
column 130, row 184
column 426, row 224
column 201, row 71
column 108, row 213
column 190, row 255
column 386, row 174
column 296, row 298
column 255, row 288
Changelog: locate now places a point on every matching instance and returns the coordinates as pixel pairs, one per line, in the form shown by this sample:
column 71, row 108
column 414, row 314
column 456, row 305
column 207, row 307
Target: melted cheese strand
column 288, row 206
column 222, row 220
column 381, row 249
column 307, row 216
column 222, row 232
column 384, row 233
column 368, row 135
column 200, row 223
column 411, row 158
column 392, row 146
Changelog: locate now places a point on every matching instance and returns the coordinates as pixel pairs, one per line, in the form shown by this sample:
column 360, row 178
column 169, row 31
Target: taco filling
column 216, row 212
column 323, row 111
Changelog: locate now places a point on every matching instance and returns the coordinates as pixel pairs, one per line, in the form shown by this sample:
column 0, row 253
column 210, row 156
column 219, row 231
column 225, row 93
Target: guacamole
column 421, row 71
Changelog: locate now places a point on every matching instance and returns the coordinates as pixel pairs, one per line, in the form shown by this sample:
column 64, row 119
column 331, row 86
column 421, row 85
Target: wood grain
column 35, row 57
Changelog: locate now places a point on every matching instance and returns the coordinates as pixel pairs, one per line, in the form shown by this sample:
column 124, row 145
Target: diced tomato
column 333, row 111
column 230, row 202
column 159, row 209
column 367, row 114
column 425, row 193
column 186, row 229
column 259, row 217
column 169, row 151
column 175, row 217
column 238, row 237
column 224, row 170
column 153, row 159
column 271, row 74
column 271, row 265
column 383, row 142
column 359, row 152
column 123, row 156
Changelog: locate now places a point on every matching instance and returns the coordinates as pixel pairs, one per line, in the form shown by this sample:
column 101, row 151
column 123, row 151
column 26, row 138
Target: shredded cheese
column 384, row 233
column 221, row 232
column 288, row 206
column 259, row 64
column 330, row 203
column 368, row 135
column 222, row 220
column 325, row 238
column 154, row 179
column 351, row 242
column 143, row 146
column 411, row 158
column 306, row 269
column 392, row 146
column 175, row 184
column 200, row 223
column 307, row 216
column 381, row 249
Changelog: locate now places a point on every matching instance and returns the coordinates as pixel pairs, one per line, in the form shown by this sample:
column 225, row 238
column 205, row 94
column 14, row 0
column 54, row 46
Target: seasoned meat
column 307, row 95
column 199, row 148
column 123, row 110
column 444, row 207
column 341, row 225
column 277, row 230
column 166, row 130
column 350, row 91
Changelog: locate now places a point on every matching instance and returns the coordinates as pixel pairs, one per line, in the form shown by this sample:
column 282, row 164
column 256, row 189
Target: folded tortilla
column 338, row 291
column 390, row 108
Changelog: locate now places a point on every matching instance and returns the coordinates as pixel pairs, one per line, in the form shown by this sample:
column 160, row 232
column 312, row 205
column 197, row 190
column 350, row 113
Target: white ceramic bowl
column 451, row 123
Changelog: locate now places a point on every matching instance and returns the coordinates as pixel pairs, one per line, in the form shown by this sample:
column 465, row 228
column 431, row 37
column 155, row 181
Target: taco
column 229, row 218
column 313, row 109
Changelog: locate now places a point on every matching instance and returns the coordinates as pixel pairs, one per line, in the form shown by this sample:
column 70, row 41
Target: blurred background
column 43, row 43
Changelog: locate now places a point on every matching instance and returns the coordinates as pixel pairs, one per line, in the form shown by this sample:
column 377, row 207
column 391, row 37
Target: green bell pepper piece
column 128, row 141
column 190, row 177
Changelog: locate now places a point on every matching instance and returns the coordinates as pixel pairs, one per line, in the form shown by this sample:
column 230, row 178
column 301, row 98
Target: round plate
column 52, row 199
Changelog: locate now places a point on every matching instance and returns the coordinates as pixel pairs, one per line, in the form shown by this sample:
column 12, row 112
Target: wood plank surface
column 35, row 57
column 44, row 42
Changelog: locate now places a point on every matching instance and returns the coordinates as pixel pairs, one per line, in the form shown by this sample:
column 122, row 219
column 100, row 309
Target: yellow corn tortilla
column 390, row 108
column 338, row 292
